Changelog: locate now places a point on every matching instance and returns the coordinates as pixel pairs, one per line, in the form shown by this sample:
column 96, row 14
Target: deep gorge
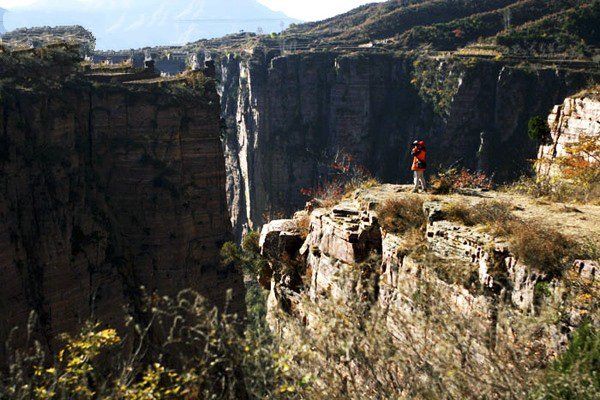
column 106, row 188
column 172, row 224
column 287, row 116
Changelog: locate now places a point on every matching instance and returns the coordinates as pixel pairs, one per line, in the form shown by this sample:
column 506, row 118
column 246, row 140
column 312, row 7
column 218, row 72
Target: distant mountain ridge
column 452, row 24
column 137, row 24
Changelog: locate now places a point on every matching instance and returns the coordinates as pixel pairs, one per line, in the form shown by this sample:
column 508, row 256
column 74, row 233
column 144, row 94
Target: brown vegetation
column 540, row 246
column 485, row 212
column 398, row 215
column 532, row 242
column 303, row 223
column 574, row 177
column 413, row 243
column 452, row 180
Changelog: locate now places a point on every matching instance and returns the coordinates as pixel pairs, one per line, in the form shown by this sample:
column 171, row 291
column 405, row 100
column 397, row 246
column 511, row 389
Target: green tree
column 538, row 129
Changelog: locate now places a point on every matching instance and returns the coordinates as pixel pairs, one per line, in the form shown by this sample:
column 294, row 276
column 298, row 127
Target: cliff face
column 106, row 188
column 457, row 298
column 289, row 116
column 576, row 119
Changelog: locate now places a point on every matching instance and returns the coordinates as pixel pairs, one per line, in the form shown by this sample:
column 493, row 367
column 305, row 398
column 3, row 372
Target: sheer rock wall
column 288, row 116
column 106, row 188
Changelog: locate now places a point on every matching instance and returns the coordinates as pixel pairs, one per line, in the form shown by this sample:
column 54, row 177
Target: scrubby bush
column 532, row 242
column 540, row 246
column 303, row 223
column 539, row 130
column 575, row 374
column 425, row 350
column 187, row 349
column 453, row 179
column 349, row 348
column 398, row 215
column 246, row 258
column 482, row 213
column 573, row 32
column 337, row 178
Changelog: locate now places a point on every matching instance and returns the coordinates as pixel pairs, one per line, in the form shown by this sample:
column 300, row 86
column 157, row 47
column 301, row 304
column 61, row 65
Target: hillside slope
column 451, row 24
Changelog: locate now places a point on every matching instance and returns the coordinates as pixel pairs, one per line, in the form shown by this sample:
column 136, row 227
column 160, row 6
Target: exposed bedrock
column 572, row 123
column 288, row 116
column 104, row 189
column 346, row 250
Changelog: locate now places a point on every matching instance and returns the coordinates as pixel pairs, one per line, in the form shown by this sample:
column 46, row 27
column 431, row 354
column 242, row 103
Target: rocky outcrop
column 288, row 116
column 347, row 251
column 575, row 119
column 106, row 188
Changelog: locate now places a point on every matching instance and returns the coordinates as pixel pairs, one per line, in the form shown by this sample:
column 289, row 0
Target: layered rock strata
column 107, row 188
column 289, row 116
column 496, row 296
column 575, row 120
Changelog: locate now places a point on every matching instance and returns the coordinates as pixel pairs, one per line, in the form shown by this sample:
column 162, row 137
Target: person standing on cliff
column 418, row 166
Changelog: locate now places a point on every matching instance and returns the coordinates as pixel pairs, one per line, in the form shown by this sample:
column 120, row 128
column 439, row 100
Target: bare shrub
column 186, row 349
column 540, row 246
column 484, row 212
column 453, row 271
column 303, row 223
column 453, row 179
column 353, row 347
column 413, row 243
column 341, row 175
column 398, row 215
column 422, row 349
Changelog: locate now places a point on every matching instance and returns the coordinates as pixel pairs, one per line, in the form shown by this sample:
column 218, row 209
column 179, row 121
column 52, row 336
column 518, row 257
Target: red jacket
column 419, row 156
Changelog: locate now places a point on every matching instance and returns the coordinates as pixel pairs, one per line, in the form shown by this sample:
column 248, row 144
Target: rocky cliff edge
column 454, row 293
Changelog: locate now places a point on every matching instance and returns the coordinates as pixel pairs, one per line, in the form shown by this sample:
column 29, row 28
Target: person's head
column 419, row 143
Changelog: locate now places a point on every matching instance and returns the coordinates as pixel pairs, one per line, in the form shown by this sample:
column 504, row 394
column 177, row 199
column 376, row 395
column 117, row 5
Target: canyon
column 289, row 116
column 464, row 76
column 110, row 192
column 121, row 186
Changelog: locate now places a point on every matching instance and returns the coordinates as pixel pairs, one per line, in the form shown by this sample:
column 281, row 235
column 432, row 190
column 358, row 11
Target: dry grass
column 454, row 179
column 303, row 223
column 398, row 215
column 414, row 243
column 482, row 213
column 558, row 190
column 450, row 270
column 426, row 350
column 532, row 242
column 541, row 247
column 369, row 183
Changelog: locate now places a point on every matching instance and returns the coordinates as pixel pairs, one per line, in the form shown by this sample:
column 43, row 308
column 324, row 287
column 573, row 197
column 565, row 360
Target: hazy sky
column 311, row 10
column 306, row 10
